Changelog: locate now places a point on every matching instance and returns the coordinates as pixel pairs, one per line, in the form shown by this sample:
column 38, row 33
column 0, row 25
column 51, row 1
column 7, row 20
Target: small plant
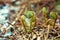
column 52, row 20
column 32, row 22
column 44, row 11
column 24, row 22
column 31, row 16
column 53, row 16
column 44, row 14
column 51, row 23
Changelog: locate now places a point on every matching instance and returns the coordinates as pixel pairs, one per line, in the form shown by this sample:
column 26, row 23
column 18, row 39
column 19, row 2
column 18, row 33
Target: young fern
column 31, row 16
column 24, row 22
column 50, row 22
column 53, row 16
column 44, row 13
column 32, row 22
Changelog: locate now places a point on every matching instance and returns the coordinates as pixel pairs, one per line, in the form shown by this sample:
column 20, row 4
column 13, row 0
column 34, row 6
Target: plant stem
column 54, row 23
column 46, row 38
column 32, row 22
column 24, row 25
column 30, row 25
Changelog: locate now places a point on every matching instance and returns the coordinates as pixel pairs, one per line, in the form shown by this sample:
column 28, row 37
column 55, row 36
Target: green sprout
column 32, row 22
column 51, row 22
column 31, row 16
column 24, row 22
column 44, row 11
column 53, row 16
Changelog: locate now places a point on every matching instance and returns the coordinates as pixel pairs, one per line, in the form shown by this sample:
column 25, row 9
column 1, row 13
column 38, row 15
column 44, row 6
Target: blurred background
column 10, row 8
